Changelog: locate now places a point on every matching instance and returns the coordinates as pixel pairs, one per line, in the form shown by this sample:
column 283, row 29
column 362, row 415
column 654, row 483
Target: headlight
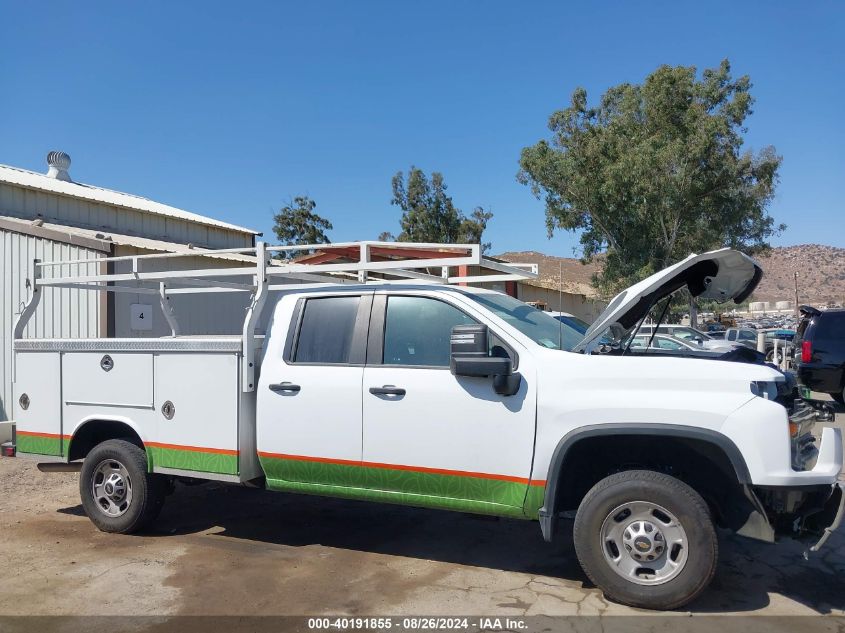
column 765, row 389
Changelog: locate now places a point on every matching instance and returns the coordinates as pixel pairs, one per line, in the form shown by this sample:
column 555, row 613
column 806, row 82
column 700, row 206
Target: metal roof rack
column 254, row 269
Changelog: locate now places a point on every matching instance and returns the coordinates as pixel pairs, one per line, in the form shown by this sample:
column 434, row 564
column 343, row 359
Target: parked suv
column 821, row 339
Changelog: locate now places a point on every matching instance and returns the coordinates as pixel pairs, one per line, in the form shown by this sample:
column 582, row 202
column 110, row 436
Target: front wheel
column 646, row 540
column 118, row 493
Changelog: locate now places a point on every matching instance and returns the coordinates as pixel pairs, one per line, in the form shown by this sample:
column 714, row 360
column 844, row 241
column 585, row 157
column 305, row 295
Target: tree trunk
column 693, row 312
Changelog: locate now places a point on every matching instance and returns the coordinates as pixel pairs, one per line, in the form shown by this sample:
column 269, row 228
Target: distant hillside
column 576, row 276
column 821, row 273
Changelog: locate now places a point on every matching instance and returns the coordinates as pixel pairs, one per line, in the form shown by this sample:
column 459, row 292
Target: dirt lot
column 221, row 549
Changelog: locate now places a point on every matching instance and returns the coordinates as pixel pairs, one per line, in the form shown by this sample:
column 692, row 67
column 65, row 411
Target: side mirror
column 470, row 356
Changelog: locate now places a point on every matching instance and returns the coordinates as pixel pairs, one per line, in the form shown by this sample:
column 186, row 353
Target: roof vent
column 58, row 163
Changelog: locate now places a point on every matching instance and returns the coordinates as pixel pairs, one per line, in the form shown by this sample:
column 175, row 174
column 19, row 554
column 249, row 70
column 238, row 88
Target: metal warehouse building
column 50, row 217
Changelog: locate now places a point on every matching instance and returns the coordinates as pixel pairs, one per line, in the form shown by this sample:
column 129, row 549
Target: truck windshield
column 535, row 324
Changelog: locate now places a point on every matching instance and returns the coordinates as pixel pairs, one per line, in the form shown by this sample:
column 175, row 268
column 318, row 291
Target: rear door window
column 326, row 330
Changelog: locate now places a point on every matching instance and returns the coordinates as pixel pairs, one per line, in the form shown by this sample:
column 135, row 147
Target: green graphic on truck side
column 39, row 443
column 468, row 492
column 201, row 460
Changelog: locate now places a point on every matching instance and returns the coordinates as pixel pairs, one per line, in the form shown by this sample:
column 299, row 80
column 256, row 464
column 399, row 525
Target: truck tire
column 646, row 540
column 118, row 494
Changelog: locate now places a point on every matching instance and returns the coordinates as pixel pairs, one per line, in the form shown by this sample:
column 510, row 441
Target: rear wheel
column 118, row 493
column 646, row 540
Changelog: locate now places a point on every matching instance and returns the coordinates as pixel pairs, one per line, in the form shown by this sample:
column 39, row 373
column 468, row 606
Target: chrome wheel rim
column 644, row 543
column 112, row 488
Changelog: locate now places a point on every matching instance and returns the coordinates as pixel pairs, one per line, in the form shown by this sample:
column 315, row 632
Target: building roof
column 41, row 182
column 102, row 240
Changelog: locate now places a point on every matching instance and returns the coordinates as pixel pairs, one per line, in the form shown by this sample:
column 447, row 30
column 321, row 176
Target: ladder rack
column 253, row 270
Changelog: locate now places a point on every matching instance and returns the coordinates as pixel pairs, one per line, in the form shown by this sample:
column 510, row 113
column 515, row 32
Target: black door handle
column 285, row 387
column 387, row 390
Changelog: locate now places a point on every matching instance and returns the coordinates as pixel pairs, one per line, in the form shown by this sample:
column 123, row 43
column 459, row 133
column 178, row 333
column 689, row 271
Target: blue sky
column 229, row 109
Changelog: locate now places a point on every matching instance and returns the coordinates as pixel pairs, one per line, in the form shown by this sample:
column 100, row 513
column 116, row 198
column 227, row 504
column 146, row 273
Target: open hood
column 722, row 275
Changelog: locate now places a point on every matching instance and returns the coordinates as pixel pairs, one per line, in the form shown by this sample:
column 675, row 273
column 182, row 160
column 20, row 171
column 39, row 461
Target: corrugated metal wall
column 61, row 313
column 217, row 313
column 28, row 203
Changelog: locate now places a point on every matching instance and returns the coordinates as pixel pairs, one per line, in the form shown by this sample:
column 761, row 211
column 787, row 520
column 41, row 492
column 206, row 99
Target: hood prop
column 656, row 325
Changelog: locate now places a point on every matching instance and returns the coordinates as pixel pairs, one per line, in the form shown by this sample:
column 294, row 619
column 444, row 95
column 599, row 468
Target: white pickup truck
column 432, row 394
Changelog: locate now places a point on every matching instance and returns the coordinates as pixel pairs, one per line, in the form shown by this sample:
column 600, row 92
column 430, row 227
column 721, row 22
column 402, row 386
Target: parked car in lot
column 821, row 341
column 690, row 334
column 779, row 341
column 666, row 342
column 748, row 338
column 442, row 396
column 743, row 336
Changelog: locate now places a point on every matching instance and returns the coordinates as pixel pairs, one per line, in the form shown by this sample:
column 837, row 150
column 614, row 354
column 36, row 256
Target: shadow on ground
column 750, row 573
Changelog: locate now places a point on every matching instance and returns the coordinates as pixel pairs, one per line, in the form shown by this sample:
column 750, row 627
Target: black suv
column 821, row 341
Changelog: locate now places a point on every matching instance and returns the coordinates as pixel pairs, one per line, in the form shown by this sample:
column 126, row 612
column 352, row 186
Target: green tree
column 429, row 215
column 296, row 223
column 655, row 171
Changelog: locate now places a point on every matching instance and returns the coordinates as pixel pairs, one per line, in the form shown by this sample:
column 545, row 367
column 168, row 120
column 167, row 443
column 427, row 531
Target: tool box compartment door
column 197, row 405
column 37, row 407
column 108, row 379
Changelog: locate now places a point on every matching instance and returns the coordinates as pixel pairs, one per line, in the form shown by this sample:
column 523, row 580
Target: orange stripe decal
column 196, row 449
column 416, row 469
column 49, row 436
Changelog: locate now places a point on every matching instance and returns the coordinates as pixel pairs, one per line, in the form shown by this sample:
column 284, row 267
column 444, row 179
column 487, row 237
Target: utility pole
column 797, row 311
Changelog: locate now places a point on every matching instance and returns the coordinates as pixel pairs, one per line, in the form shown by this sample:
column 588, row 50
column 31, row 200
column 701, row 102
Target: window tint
column 326, row 332
column 417, row 331
column 830, row 326
column 747, row 336
column 732, row 335
column 665, row 343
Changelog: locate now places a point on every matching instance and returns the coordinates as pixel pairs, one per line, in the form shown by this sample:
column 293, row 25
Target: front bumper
column 774, row 456
column 804, row 501
column 828, row 520
column 809, row 514
column 822, row 512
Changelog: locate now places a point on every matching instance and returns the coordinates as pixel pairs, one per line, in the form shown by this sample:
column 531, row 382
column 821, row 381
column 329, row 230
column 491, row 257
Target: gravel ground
column 220, row 549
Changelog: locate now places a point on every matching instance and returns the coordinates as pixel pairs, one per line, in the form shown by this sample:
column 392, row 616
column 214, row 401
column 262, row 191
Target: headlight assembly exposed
column 765, row 389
